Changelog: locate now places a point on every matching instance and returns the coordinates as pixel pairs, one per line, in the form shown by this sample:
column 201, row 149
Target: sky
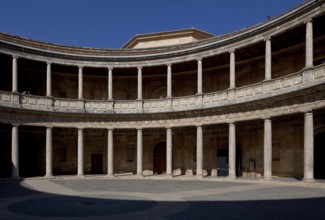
column 112, row 23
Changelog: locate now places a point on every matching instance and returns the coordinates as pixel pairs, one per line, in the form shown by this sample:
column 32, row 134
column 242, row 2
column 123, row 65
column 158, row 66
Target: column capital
column 139, row 128
column 266, row 118
column 266, row 38
column 48, row 63
column 232, row 51
column 110, row 68
column 15, row 56
column 169, row 127
column 139, row 67
column 199, row 59
column 232, row 123
column 308, row 20
column 80, row 128
column 15, row 124
column 49, row 126
column 80, row 66
column 110, row 129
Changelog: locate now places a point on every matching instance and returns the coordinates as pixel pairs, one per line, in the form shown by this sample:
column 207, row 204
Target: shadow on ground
column 43, row 205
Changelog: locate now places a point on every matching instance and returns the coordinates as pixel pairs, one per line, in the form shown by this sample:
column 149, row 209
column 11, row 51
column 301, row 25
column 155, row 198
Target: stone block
column 189, row 172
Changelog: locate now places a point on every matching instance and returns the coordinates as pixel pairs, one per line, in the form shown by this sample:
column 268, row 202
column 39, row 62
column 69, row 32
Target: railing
column 266, row 89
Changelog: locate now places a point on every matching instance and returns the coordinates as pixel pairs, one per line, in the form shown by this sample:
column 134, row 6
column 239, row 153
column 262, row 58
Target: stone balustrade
column 295, row 82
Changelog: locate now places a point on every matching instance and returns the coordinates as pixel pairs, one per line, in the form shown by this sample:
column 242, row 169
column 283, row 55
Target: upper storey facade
column 267, row 60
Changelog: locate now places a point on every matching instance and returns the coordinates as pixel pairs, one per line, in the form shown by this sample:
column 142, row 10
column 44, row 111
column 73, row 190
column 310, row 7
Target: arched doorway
column 319, row 155
column 159, row 158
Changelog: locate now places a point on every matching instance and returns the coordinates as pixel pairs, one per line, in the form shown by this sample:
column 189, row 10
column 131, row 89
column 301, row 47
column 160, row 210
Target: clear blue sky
column 111, row 23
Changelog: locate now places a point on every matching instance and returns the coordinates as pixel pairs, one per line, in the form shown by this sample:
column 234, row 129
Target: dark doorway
column 159, row 158
column 319, row 162
column 223, row 163
column 96, row 163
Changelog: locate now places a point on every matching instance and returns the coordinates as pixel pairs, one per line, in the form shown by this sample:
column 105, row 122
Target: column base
column 110, row 176
column 80, row 176
column 15, row 177
column 308, row 180
column 267, row 178
column 49, row 176
column 231, row 177
column 140, row 175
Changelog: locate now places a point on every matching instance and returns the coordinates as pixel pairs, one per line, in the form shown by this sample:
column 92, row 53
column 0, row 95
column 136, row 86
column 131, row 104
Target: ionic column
column 80, row 83
column 199, row 151
column 14, row 74
column 309, row 43
column 308, row 147
column 139, row 151
column 169, row 80
column 110, row 152
column 199, row 76
column 232, row 69
column 49, row 150
column 267, row 149
column 268, row 59
column 48, row 80
column 232, row 151
column 15, row 151
column 110, row 83
column 139, row 83
column 80, row 152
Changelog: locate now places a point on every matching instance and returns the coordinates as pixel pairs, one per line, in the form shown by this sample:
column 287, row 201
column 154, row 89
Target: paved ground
column 158, row 198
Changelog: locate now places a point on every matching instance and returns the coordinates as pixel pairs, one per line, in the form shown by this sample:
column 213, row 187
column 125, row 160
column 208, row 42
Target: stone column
column 199, row 151
column 15, row 151
column 232, row 69
column 169, row 81
column 110, row 83
column 267, row 149
column 308, row 147
column 14, row 74
column 199, row 76
column 169, row 155
column 48, row 80
column 110, row 152
column 139, row 152
column 232, row 150
column 268, row 59
column 139, row 83
column 80, row 83
column 309, row 43
column 49, row 152
column 80, row 151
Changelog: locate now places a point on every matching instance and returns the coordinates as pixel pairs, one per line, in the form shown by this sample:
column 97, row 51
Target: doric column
column 139, row 83
column 80, row 83
column 169, row 155
column 48, row 80
column 14, row 74
column 80, row 151
column 199, row 151
column 199, row 76
column 110, row 83
column 49, row 152
column 15, row 151
column 169, row 80
column 232, row 69
column 267, row 149
column 232, row 150
column 309, row 43
column 110, row 153
column 139, row 151
column 308, row 147
column 268, row 59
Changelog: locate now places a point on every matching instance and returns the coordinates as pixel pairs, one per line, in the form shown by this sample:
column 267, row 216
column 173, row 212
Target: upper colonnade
column 125, row 58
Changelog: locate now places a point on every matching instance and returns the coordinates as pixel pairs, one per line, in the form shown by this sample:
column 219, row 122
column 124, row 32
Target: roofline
column 181, row 31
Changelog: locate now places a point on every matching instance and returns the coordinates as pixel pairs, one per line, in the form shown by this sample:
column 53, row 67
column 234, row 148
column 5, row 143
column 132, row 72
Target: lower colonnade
column 308, row 151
